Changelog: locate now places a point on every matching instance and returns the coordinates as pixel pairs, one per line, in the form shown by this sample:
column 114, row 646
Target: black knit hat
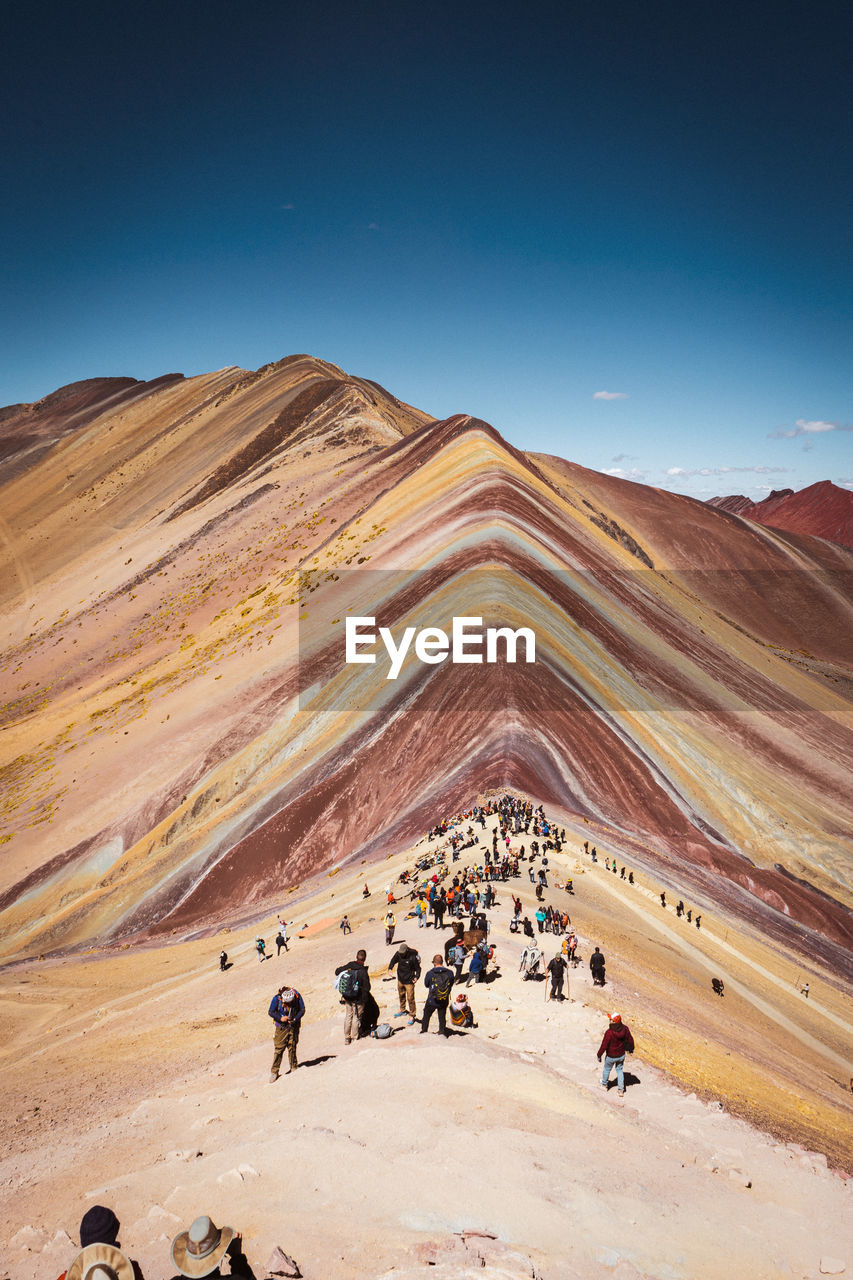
column 99, row 1226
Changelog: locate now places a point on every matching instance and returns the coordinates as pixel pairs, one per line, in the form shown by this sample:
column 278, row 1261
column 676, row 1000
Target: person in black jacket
column 408, row 965
column 354, row 993
column 596, row 966
column 438, row 981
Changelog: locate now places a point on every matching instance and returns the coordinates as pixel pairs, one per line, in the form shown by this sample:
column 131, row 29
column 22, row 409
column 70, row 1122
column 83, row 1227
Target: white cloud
column 724, row 471
column 802, row 427
column 633, row 474
column 373, row 226
column 625, row 457
column 609, row 395
column 287, row 206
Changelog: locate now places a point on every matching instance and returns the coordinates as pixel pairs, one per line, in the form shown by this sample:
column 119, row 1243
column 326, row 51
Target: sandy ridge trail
column 138, row 1078
column 733, row 984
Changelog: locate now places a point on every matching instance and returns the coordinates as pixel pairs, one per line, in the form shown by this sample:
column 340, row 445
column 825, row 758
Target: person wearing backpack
column 286, row 1010
column 354, row 988
column 457, row 957
column 438, row 982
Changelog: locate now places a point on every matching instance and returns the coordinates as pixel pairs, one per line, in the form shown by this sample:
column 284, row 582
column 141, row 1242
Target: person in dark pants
column 596, row 966
column 438, row 982
column 557, row 969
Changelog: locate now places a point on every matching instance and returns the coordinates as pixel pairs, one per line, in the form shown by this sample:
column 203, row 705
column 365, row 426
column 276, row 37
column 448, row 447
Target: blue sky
column 488, row 209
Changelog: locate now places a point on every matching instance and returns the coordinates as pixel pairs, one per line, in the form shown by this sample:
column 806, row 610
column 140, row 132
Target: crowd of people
column 440, row 896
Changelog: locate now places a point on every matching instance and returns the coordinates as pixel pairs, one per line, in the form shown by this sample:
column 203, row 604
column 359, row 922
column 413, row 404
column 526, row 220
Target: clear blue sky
column 494, row 209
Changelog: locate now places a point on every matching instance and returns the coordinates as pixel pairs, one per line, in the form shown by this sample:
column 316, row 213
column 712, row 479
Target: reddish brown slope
column 823, row 510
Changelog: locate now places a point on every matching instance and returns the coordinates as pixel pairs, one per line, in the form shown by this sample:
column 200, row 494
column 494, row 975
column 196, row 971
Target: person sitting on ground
column 408, row 965
column 460, row 1011
column 527, row 927
column 101, row 1257
column 200, row 1251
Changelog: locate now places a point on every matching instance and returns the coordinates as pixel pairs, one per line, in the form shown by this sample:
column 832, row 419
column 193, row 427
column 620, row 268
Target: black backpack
column 441, row 984
column 350, row 985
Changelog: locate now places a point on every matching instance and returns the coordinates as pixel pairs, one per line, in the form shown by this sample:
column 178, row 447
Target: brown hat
column 100, row 1262
column 199, row 1251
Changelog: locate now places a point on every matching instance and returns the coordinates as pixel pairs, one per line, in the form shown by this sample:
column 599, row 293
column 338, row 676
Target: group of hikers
column 436, row 889
column 198, row 1251
column 610, row 864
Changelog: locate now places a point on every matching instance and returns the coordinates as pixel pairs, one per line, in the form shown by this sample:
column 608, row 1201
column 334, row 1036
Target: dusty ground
column 139, row 1078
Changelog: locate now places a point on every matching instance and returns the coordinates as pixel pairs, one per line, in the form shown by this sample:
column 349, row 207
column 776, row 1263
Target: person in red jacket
column 616, row 1043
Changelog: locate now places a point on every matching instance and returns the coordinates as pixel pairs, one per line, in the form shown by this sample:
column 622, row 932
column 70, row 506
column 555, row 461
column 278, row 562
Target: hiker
column 718, row 986
column 438, row 981
column 596, row 966
column 408, row 965
column 460, row 1012
column 390, row 922
column 571, row 949
column 99, row 1228
column 478, row 965
column 365, row 893
column 280, row 941
column 353, row 986
column 345, row 926
column 530, row 960
column 805, row 989
column 663, row 900
column 200, row 1250
column 616, row 1043
column 282, row 928
column 456, row 957
column 527, row 927
column 557, row 969
column 223, row 961
column 540, row 920
column 286, row 1010
column 696, row 921
column 260, row 947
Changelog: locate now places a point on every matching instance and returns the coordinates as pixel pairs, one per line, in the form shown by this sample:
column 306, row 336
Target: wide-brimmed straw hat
column 199, row 1251
column 100, row 1262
